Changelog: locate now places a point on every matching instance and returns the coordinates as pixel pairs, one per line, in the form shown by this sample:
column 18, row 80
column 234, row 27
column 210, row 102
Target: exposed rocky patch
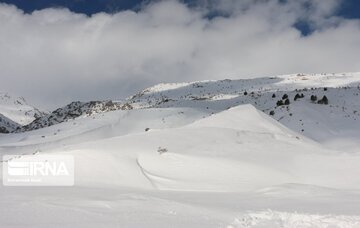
column 74, row 110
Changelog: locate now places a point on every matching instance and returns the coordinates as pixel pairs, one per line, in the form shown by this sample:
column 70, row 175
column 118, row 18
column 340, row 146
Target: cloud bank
column 54, row 56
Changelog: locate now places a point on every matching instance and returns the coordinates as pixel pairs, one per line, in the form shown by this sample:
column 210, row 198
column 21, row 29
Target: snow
column 302, row 116
column 7, row 125
column 15, row 112
column 285, row 219
column 202, row 154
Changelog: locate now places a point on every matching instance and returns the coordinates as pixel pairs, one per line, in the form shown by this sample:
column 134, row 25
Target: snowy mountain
column 316, row 120
column 15, row 112
column 201, row 154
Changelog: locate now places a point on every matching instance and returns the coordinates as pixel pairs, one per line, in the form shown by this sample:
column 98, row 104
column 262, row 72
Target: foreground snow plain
column 200, row 163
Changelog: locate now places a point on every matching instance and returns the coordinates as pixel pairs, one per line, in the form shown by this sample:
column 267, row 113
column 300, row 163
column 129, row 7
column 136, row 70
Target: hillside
column 185, row 166
column 7, row 125
column 202, row 154
column 337, row 120
column 72, row 111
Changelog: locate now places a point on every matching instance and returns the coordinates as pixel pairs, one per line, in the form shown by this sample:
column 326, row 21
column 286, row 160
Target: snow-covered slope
column 185, row 167
column 203, row 154
column 338, row 120
column 15, row 112
column 7, row 125
column 342, row 91
column 99, row 126
column 239, row 149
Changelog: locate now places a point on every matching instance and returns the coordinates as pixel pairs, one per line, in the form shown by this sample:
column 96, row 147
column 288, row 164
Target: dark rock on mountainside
column 7, row 125
column 74, row 110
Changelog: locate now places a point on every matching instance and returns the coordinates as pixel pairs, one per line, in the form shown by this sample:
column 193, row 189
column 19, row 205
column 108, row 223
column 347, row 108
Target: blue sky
column 69, row 56
column 80, row 6
column 348, row 9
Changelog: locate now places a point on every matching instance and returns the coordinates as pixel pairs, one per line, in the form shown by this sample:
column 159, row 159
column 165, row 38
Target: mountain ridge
column 266, row 94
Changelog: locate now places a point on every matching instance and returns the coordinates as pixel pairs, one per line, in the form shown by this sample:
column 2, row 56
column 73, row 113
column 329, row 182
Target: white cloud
column 54, row 56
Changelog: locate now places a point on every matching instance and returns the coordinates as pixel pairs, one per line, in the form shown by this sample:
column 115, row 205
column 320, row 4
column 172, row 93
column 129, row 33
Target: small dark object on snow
column 279, row 103
column 287, row 102
column 273, row 96
column 272, row 113
column 147, row 129
column 162, row 150
column 245, row 93
column 285, row 96
column 323, row 100
column 4, row 130
column 313, row 98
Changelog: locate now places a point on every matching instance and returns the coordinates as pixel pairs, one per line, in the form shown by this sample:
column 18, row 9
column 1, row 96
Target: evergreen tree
column 313, row 98
column 323, row 100
column 279, row 103
column 287, row 102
